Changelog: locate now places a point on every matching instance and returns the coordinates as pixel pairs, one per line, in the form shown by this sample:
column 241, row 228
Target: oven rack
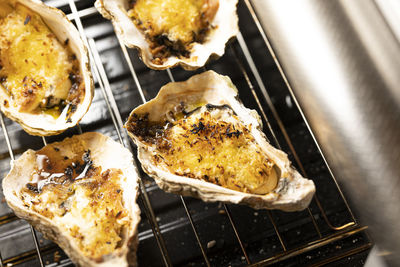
column 249, row 71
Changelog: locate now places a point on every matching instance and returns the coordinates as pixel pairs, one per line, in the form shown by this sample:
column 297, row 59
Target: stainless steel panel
column 342, row 61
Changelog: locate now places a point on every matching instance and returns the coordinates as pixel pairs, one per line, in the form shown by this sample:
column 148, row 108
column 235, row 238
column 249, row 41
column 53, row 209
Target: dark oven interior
column 185, row 231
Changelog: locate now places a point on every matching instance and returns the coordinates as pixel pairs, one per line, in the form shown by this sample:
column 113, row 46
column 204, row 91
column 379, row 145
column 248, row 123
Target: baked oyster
column 173, row 32
column 45, row 82
column 78, row 194
column 196, row 139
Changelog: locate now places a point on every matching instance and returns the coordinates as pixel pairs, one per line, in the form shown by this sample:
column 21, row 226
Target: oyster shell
column 223, row 26
column 78, row 194
column 47, row 86
column 196, row 139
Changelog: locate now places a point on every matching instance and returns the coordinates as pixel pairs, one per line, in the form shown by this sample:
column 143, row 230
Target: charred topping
column 197, row 128
column 69, row 172
column 209, row 131
column 32, row 187
column 77, row 169
column 27, row 19
column 234, row 133
column 74, row 78
column 74, row 94
column 118, row 214
column 86, row 158
column 154, row 132
column 161, row 47
column 140, row 126
column 187, row 114
column 211, row 106
column 66, row 41
column 71, row 110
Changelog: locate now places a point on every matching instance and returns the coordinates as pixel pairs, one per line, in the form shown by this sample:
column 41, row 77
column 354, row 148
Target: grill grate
column 321, row 226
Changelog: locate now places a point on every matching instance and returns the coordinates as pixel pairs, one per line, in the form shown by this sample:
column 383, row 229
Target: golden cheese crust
column 172, row 26
column 209, row 144
column 81, row 198
column 39, row 72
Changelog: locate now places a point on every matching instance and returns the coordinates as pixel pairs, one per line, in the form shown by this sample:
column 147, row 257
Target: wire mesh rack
column 181, row 231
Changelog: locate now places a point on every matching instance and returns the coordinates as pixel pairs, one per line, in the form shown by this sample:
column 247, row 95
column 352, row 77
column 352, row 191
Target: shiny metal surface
column 342, row 61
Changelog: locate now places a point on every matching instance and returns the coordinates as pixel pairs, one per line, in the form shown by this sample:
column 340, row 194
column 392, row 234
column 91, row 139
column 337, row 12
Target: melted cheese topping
column 81, row 199
column 35, row 68
column 177, row 18
column 173, row 25
column 212, row 145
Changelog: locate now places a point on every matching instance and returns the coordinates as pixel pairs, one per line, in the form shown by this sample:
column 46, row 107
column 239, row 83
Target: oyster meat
column 78, row 194
column 195, row 138
column 173, row 32
column 45, row 81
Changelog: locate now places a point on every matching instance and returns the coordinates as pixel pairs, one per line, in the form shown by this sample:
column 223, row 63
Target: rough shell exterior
column 225, row 19
column 41, row 124
column 293, row 192
column 103, row 150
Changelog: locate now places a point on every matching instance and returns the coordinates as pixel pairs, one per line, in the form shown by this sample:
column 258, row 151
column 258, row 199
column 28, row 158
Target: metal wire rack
column 323, row 228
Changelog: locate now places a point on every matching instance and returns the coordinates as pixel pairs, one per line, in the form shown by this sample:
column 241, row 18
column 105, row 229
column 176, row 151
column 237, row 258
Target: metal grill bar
column 132, row 70
column 105, row 89
column 83, row 13
column 267, row 43
column 276, row 230
column 228, row 213
column 170, row 75
column 3, row 125
column 10, row 151
column 195, row 232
